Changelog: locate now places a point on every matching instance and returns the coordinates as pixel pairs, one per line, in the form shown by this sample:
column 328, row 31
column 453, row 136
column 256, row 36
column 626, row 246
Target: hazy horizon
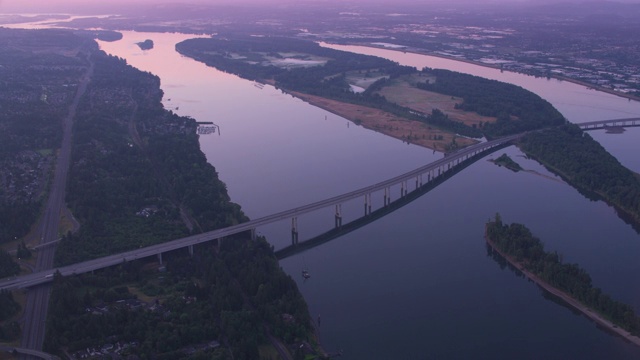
column 36, row 6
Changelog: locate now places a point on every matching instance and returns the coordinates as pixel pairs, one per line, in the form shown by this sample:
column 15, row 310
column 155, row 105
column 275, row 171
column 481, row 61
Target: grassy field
column 403, row 92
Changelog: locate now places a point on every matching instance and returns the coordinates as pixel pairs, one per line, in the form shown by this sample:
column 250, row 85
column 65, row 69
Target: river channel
column 416, row 284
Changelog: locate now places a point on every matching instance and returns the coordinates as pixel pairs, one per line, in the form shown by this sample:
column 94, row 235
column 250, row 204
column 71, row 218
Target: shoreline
column 478, row 63
column 585, row 310
column 410, row 131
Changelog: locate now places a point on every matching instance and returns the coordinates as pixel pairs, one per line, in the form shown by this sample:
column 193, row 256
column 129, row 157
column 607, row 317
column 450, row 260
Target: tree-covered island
column 506, row 161
column 586, row 165
column 145, row 45
column 569, row 282
column 438, row 109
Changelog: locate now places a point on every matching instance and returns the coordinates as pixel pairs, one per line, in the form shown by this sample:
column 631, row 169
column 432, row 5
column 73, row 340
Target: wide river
column 416, row 284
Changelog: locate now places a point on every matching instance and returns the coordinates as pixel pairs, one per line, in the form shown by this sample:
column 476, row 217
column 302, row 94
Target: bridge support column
column 417, row 180
column 294, row 231
column 338, row 215
column 367, row 204
column 190, row 250
column 160, row 258
column 387, row 198
column 253, row 234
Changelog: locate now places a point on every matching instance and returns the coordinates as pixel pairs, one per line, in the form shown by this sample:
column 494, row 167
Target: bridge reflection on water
column 426, row 178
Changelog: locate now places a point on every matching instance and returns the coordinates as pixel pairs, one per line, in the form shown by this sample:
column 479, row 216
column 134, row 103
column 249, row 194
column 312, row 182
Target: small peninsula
column 146, row 45
column 517, row 245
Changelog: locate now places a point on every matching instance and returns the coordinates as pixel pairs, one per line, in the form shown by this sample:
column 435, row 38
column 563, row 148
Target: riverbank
column 409, row 131
column 479, row 63
column 588, row 312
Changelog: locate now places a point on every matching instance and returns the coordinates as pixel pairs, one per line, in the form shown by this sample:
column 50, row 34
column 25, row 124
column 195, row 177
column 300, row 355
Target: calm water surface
column 416, row 284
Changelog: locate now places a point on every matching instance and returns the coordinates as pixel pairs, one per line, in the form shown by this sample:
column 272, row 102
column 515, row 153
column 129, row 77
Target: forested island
column 145, row 45
column 586, row 165
column 569, row 282
column 506, row 161
column 445, row 104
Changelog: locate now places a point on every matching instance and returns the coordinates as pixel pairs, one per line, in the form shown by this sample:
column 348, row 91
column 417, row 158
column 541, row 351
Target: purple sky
column 39, row 6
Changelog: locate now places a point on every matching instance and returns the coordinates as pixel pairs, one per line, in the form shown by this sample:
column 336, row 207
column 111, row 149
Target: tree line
column 586, row 165
column 228, row 296
column 516, row 240
column 516, row 109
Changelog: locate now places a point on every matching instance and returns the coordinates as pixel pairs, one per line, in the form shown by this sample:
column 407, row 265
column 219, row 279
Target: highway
column 38, row 297
column 594, row 125
column 37, row 304
column 42, row 276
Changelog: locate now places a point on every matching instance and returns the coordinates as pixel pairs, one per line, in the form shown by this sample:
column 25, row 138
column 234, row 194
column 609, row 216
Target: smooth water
column 417, row 284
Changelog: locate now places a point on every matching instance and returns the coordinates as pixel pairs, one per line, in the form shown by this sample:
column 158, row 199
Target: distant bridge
column 603, row 124
column 422, row 176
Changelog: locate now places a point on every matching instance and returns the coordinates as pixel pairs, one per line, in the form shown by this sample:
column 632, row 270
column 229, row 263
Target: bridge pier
column 253, row 234
column 338, row 215
column 160, row 258
column 294, row 231
column 367, row 204
column 190, row 247
column 387, row 196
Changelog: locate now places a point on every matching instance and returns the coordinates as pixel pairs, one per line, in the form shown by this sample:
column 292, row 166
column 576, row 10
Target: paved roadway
column 38, row 299
column 593, row 125
column 45, row 276
column 33, row 353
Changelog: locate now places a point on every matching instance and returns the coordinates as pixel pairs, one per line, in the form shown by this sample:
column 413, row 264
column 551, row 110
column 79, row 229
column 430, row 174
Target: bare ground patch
column 410, row 131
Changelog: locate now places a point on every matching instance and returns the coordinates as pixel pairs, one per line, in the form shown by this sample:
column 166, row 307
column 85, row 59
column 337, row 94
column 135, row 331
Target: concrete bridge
column 603, row 124
column 416, row 179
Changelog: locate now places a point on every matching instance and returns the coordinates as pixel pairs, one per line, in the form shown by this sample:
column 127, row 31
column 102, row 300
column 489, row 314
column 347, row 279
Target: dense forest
column 518, row 110
column 236, row 297
column 9, row 330
column 138, row 176
column 517, row 241
column 585, row 164
column 8, row 267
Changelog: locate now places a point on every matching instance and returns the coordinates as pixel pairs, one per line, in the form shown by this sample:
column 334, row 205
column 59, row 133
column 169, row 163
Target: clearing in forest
column 403, row 92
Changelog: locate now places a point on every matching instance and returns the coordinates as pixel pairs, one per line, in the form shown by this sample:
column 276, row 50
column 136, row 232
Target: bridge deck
column 443, row 164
